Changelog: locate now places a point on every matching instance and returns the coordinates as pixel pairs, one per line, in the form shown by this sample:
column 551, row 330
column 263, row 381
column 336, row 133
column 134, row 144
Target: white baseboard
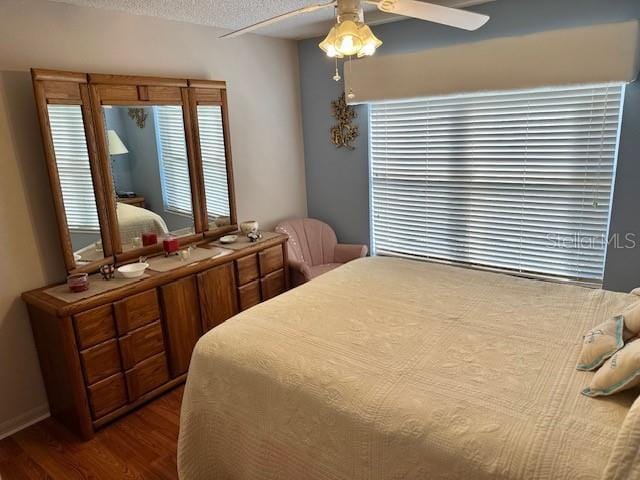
column 28, row 418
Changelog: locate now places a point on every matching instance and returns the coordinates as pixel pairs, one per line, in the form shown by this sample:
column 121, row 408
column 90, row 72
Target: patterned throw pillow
column 600, row 343
column 620, row 372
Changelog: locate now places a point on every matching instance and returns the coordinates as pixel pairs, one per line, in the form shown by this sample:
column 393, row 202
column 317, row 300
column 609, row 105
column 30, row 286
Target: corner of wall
column 26, row 419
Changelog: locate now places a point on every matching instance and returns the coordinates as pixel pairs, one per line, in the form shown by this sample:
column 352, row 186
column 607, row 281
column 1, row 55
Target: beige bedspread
column 394, row 369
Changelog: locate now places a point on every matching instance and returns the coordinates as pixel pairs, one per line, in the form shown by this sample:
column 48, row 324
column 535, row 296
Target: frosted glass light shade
column 348, row 41
column 370, row 42
column 327, row 45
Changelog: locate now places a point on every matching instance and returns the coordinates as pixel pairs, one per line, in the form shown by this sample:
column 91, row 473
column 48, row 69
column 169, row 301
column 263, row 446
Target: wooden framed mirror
column 133, row 160
column 145, row 143
column 210, row 120
column 69, row 141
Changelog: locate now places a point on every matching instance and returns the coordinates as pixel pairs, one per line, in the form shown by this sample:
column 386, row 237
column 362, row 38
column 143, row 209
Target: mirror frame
column 69, row 88
column 211, row 92
column 91, row 91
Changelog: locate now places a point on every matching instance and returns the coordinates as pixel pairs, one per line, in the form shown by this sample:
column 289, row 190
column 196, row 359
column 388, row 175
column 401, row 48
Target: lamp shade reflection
column 116, row 147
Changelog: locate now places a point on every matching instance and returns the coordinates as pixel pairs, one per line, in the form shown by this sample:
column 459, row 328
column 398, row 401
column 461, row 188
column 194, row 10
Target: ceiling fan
column 351, row 36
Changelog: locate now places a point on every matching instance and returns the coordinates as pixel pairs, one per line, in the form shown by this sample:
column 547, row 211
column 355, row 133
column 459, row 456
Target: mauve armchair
column 313, row 249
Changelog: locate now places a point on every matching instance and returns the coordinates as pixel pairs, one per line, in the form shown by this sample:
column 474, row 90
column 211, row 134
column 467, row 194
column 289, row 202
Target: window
column 516, row 180
column 174, row 165
column 214, row 163
column 74, row 171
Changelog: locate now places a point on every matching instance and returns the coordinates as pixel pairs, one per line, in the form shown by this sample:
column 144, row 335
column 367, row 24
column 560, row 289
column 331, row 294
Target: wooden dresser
column 103, row 355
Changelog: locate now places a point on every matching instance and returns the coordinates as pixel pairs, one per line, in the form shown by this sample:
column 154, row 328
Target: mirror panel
column 214, row 165
column 150, row 171
column 76, row 183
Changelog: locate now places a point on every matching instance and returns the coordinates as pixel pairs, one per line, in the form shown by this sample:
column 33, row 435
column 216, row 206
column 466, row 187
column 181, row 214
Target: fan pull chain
column 337, row 76
column 350, row 95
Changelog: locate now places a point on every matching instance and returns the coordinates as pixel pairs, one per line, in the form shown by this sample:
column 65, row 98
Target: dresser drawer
column 270, row 260
column 136, row 311
column 94, row 326
column 147, row 375
column 140, row 344
column 249, row 295
column 100, row 361
column 247, row 269
column 272, row 285
column 107, row 395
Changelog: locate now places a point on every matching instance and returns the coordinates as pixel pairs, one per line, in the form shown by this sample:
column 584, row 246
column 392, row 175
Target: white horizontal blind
column 214, row 164
column 518, row 180
column 174, row 164
column 74, row 170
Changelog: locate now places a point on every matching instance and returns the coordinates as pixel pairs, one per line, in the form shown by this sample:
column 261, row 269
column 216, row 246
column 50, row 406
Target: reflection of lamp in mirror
column 116, row 147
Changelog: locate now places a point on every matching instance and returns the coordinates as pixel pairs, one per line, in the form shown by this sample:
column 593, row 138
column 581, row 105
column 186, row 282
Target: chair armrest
column 301, row 268
column 345, row 252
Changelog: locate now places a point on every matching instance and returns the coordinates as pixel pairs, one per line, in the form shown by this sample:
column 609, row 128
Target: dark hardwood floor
column 142, row 445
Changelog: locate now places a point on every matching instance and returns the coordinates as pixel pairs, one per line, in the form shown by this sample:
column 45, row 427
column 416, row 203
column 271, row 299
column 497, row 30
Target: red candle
column 149, row 239
column 171, row 245
column 78, row 282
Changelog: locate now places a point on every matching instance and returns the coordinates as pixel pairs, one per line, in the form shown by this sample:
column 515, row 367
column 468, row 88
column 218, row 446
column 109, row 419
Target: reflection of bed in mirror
column 134, row 221
column 149, row 160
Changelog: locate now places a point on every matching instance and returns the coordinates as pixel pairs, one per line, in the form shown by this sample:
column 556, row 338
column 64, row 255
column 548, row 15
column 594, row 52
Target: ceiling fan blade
column 454, row 17
column 264, row 23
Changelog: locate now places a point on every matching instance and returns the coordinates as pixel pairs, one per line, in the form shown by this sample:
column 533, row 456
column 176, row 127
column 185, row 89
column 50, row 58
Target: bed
column 396, row 369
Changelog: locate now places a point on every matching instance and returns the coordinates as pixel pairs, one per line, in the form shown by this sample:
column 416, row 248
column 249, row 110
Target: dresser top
column 103, row 292
column 243, row 241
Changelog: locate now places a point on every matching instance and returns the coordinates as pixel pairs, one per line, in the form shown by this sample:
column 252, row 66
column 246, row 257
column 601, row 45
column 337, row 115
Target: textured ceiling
column 234, row 14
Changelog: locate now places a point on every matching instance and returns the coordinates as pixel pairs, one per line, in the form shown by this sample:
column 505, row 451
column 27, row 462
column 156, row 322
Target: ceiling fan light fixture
column 349, row 38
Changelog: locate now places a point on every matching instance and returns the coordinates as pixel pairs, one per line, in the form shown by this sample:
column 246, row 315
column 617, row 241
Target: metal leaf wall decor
column 344, row 133
column 139, row 115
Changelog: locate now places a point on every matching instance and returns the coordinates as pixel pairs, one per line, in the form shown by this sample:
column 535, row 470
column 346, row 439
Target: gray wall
column 337, row 180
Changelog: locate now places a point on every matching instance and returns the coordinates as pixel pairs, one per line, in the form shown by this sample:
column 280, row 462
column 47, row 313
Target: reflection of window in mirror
column 174, row 167
column 76, row 183
column 214, row 164
column 151, row 174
